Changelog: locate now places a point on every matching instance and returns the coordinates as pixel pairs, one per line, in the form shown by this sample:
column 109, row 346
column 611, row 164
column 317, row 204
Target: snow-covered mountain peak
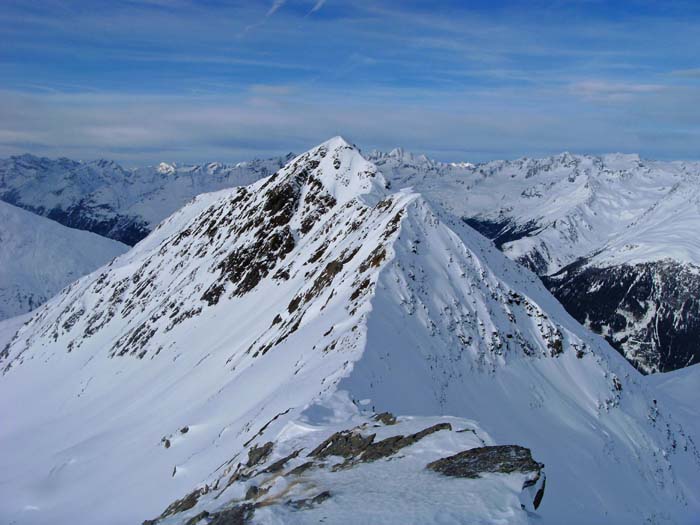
column 622, row 161
column 402, row 156
column 400, row 153
column 252, row 307
column 341, row 169
column 462, row 165
column 165, row 169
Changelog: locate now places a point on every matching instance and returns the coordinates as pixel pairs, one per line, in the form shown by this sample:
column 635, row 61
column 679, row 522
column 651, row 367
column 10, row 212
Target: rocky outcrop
column 301, row 482
column 357, row 448
column 500, row 459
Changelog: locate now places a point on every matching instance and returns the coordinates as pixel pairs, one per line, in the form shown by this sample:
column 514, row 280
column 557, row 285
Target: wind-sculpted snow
column 252, row 311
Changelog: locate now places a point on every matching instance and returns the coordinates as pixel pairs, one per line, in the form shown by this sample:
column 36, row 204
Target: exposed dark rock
column 499, row 459
column 386, row 418
column 180, row 505
column 194, row 520
column 294, row 304
column 254, row 492
column 374, row 259
column 280, row 463
column 390, row 446
column 361, row 288
column 301, row 468
column 327, row 275
column 307, row 503
column 347, row 443
column 537, row 500
column 392, row 225
column 357, row 448
column 238, row 515
column 257, row 454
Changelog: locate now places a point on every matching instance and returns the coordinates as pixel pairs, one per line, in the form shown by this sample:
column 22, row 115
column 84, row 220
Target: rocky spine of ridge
column 227, row 251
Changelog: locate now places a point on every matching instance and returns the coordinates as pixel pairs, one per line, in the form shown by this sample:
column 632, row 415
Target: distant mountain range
column 112, row 201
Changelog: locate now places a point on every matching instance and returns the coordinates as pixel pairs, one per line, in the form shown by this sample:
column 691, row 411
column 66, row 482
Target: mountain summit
column 285, row 351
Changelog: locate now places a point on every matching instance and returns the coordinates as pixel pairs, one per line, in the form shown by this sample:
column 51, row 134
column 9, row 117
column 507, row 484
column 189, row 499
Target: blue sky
column 191, row 81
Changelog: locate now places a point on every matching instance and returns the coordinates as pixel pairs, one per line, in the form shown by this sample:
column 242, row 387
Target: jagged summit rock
column 304, row 305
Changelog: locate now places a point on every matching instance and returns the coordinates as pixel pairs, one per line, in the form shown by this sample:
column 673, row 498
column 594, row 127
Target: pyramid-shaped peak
column 277, row 297
column 341, row 169
column 337, row 142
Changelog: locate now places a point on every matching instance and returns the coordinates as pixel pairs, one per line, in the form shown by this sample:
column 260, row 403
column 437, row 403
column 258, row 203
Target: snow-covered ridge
column 251, row 311
column 356, row 469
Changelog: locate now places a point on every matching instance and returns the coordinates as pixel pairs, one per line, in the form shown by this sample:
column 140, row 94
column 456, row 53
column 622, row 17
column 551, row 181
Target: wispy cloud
column 317, row 6
column 690, row 73
column 276, row 5
column 604, row 90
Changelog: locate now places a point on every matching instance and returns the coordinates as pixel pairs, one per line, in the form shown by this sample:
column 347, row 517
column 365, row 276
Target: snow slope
column 107, row 199
column 641, row 289
column 251, row 312
column 682, row 389
column 38, row 257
